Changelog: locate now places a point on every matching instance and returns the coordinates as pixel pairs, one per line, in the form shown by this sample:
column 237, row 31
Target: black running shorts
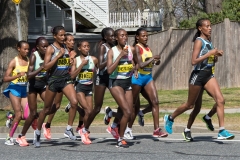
column 56, row 84
column 200, row 77
column 37, row 85
column 102, row 80
column 86, row 89
column 124, row 83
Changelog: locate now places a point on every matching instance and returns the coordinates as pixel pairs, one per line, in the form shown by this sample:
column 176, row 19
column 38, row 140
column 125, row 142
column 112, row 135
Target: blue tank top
column 209, row 62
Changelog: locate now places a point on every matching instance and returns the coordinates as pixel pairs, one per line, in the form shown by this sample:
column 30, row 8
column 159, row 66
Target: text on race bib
column 125, row 68
column 85, row 75
column 63, row 63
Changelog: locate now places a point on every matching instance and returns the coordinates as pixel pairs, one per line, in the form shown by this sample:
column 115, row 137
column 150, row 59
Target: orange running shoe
column 122, row 144
column 34, row 124
column 113, row 132
column 22, row 141
column 46, row 132
column 84, row 137
column 159, row 133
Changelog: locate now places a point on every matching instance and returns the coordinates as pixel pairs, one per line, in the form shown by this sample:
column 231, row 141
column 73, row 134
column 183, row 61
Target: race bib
column 211, row 60
column 22, row 80
column 63, row 63
column 125, row 68
column 85, row 75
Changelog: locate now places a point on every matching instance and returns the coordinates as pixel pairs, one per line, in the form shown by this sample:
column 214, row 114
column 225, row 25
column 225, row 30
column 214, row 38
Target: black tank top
column 61, row 67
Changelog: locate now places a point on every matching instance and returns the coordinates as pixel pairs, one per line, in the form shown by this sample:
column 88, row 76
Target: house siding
column 54, row 19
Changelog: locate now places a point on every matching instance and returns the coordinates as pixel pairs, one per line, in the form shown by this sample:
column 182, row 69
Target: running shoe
column 122, row 144
column 34, row 124
column 46, row 131
column 208, row 123
column 140, row 120
column 168, row 124
column 113, row 131
column 37, row 140
column 70, row 134
column 78, row 128
column 159, row 133
column 106, row 117
column 224, row 134
column 84, row 137
column 9, row 141
column 128, row 134
column 22, row 141
column 187, row 136
column 68, row 106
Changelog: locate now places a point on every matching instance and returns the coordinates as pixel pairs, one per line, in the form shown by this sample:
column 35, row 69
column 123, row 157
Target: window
column 67, row 15
column 38, row 9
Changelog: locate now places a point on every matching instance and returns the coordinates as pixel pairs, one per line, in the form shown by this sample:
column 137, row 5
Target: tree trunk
column 213, row 6
column 169, row 16
column 9, row 37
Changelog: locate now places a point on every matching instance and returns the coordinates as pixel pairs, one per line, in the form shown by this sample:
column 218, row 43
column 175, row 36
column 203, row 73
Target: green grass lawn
column 168, row 99
column 174, row 98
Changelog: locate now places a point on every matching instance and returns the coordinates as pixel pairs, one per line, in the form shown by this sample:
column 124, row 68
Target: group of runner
column 57, row 69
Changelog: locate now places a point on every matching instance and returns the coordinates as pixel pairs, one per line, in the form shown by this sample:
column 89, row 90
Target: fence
column 175, row 47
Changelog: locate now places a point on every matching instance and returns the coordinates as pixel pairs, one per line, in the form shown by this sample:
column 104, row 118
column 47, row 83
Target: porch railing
column 134, row 19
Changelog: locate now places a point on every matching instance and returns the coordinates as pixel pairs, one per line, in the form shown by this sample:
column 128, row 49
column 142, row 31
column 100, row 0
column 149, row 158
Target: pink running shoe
column 113, row 132
column 46, row 132
column 22, row 141
column 78, row 128
column 84, row 137
column 159, row 133
column 34, row 124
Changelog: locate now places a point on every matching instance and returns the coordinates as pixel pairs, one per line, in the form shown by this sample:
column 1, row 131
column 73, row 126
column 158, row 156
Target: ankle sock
column 187, row 130
column 114, row 125
column 140, row 113
column 69, row 127
column 170, row 118
column 221, row 128
column 207, row 117
column 48, row 125
column 80, row 123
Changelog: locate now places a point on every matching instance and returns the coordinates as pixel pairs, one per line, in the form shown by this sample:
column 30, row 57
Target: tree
column 213, row 6
column 9, row 36
column 230, row 9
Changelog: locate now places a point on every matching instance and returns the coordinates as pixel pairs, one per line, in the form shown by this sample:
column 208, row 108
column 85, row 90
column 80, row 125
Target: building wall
column 54, row 18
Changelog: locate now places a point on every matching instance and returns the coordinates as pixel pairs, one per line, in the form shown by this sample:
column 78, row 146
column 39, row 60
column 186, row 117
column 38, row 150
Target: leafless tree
column 9, row 36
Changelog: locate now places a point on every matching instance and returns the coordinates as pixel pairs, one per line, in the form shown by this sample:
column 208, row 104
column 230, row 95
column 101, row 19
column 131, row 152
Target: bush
column 230, row 9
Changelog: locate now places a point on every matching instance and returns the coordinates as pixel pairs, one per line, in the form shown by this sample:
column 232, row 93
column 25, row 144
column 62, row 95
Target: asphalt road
column 204, row 147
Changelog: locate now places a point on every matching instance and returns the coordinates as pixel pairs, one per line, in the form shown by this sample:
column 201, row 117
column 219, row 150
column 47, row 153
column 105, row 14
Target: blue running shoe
column 224, row 134
column 168, row 124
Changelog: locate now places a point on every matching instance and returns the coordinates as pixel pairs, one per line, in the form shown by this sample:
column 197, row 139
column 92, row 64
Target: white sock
column 221, row 128
column 207, row 117
column 69, row 127
column 110, row 114
column 120, row 138
column 127, row 129
column 37, row 132
column 84, row 130
column 114, row 125
column 140, row 113
column 186, row 129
